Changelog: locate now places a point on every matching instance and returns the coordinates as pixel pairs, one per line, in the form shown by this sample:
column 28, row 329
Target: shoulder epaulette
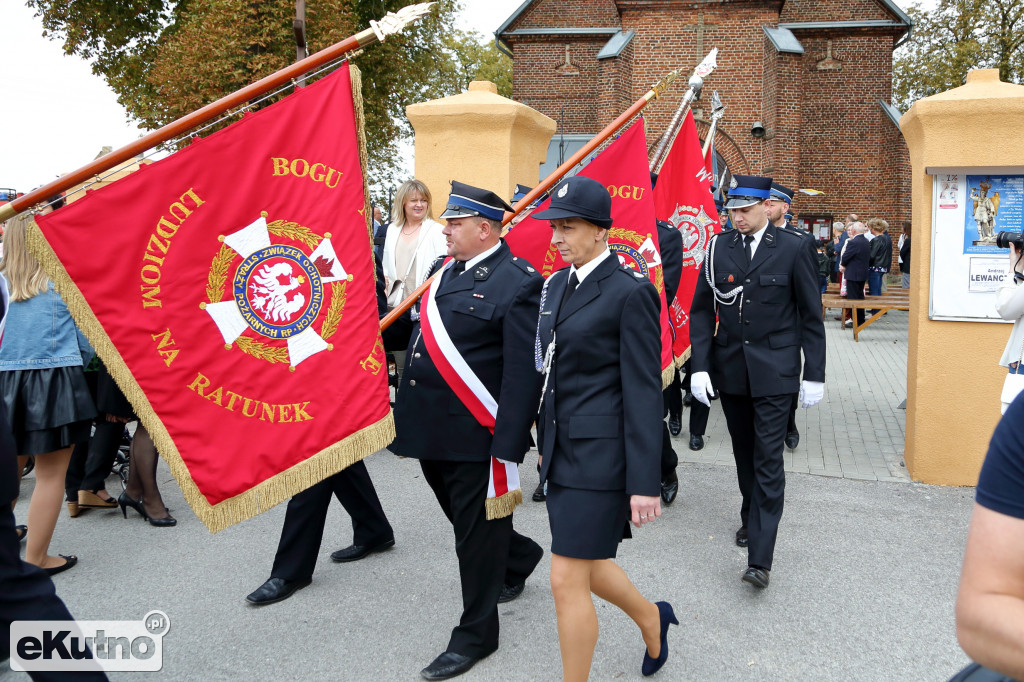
column 524, row 265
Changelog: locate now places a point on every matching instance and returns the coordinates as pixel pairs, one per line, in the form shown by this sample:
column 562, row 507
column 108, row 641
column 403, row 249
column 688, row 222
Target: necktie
column 457, row 268
column 574, row 282
column 746, row 246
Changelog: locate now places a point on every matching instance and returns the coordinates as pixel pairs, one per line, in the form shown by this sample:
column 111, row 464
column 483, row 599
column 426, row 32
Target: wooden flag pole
column 391, row 24
column 548, row 182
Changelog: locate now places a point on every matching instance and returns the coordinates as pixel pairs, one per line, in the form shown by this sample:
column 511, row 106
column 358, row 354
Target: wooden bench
column 898, row 299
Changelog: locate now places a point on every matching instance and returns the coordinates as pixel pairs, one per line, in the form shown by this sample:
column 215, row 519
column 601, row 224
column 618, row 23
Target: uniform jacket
column 781, row 314
column 856, row 259
column 600, row 423
column 671, row 242
column 490, row 312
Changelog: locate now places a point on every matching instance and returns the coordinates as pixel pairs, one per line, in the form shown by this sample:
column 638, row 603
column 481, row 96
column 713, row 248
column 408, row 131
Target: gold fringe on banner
column 504, row 505
column 267, row 494
column 254, row 501
column 681, row 359
column 667, row 375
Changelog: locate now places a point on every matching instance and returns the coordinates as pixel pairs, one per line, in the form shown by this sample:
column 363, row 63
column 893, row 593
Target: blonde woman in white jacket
column 414, row 240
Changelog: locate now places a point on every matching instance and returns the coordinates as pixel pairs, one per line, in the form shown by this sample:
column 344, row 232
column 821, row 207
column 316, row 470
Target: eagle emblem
column 283, row 280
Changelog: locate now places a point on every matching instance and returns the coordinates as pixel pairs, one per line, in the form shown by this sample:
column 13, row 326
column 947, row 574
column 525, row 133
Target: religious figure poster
column 992, row 205
column 969, row 209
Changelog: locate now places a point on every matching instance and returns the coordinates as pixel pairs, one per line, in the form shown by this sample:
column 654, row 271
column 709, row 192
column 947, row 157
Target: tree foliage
column 952, row 39
column 166, row 58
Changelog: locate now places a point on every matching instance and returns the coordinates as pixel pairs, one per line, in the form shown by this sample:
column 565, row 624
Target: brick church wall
column 826, row 128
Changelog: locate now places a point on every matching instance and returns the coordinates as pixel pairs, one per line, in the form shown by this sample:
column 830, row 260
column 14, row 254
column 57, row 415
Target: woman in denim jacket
column 42, row 355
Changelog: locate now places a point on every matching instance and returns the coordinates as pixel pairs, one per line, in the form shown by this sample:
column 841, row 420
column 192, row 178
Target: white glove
column 701, row 388
column 811, row 393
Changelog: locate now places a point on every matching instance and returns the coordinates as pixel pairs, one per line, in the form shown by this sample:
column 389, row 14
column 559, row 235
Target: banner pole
column 390, row 24
column 696, row 83
column 547, row 183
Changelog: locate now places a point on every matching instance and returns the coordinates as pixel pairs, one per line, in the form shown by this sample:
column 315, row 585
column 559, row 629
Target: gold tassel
column 667, row 375
column 503, row 505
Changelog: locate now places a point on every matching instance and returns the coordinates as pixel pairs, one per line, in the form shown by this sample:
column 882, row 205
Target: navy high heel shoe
column 653, row 665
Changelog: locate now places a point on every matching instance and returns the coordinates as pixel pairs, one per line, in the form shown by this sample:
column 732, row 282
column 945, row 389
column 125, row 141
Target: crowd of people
column 859, row 256
column 584, row 345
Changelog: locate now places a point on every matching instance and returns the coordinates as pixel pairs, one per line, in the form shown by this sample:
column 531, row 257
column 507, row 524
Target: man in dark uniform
column 778, row 213
column 304, row 520
column 486, row 306
column 760, row 283
column 670, row 240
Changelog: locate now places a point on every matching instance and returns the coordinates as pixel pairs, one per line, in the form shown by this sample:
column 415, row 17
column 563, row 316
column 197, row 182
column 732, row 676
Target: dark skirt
column 109, row 398
column 49, row 409
column 587, row 524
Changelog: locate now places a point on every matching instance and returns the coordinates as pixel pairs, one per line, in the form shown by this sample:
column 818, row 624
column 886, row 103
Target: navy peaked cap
column 747, row 190
column 466, row 200
column 579, row 197
column 782, row 192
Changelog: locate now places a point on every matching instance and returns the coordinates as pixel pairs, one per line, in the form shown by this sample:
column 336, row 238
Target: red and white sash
column 503, row 491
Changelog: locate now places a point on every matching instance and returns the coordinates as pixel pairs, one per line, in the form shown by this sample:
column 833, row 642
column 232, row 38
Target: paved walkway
column 858, row 430
column 864, row 585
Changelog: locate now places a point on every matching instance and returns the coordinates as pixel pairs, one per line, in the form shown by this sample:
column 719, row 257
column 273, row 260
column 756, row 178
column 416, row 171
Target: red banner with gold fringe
column 683, row 198
column 229, row 288
column 623, row 169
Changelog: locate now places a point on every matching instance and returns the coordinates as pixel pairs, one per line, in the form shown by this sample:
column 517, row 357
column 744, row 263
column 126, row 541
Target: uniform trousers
column 757, row 427
column 490, row 553
column 304, row 520
column 699, row 414
column 855, row 292
column 26, row 593
column 673, row 398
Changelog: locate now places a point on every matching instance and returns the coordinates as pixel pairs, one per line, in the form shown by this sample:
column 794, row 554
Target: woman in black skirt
column 42, row 354
column 599, row 426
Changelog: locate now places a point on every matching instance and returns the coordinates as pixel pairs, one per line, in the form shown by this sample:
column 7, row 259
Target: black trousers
column 791, row 426
column 490, row 553
column 306, row 515
column 26, row 593
column 699, row 413
column 669, row 459
column 92, row 460
column 757, row 427
column 855, row 292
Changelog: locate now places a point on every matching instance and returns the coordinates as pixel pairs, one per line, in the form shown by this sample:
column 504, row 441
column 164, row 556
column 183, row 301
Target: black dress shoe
column 687, row 398
column 792, row 439
column 696, row 442
column 538, row 494
column 275, row 590
column 357, row 552
column 448, row 665
column 675, row 423
column 741, row 537
column 510, row 592
column 670, row 487
column 758, row 577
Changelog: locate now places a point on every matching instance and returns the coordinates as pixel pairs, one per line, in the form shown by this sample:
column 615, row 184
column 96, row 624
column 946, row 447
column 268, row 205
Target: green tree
column 952, row 39
column 475, row 58
column 165, row 58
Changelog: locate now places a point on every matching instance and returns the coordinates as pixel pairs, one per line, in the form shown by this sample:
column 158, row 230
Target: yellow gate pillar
column 953, row 379
column 480, row 138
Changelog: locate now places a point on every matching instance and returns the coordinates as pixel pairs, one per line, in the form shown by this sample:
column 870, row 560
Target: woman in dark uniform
column 599, row 423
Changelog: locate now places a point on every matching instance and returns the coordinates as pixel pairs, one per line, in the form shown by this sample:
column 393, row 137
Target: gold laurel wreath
column 218, row 277
column 636, row 240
